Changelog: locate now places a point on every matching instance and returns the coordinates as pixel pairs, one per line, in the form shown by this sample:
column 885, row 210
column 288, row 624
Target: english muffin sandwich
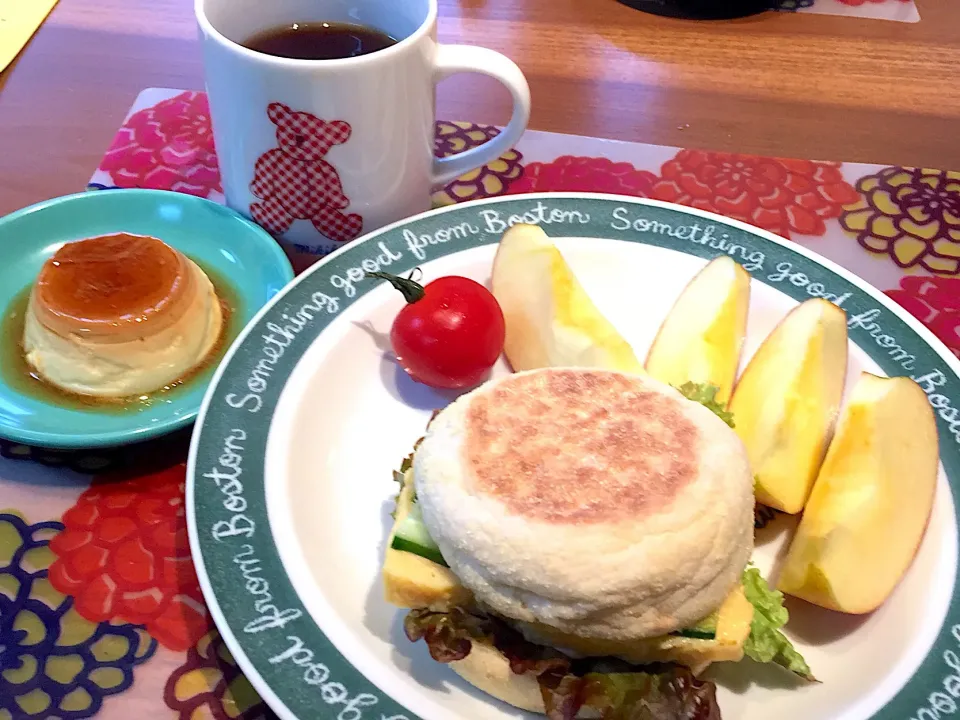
column 575, row 542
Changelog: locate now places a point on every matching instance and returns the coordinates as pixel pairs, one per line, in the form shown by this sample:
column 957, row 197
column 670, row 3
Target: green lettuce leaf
column 449, row 635
column 406, row 464
column 766, row 643
column 399, row 476
column 664, row 693
column 610, row 688
column 706, row 395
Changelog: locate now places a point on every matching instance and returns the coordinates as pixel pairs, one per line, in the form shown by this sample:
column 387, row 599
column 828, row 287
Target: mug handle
column 453, row 59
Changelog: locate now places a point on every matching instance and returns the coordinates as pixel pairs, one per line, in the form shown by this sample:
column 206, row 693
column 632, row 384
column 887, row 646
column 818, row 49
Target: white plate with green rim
column 290, row 486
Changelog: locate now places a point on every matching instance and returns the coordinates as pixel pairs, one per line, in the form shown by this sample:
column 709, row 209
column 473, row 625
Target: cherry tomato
column 450, row 332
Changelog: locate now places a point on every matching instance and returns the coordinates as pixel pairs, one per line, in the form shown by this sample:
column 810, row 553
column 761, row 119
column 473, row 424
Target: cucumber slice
column 706, row 629
column 411, row 536
column 696, row 634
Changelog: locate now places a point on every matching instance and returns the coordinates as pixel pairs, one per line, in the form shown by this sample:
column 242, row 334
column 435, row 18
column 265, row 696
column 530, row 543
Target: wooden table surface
column 812, row 86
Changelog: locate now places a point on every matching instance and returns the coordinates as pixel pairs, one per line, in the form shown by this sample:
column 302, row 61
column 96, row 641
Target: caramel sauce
column 17, row 373
column 98, row 286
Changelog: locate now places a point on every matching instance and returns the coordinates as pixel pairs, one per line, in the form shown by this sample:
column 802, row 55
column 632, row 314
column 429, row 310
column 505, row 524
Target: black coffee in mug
column 319, row 41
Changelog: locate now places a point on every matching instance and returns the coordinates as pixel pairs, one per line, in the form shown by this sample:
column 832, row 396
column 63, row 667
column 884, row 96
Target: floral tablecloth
column 98, row 596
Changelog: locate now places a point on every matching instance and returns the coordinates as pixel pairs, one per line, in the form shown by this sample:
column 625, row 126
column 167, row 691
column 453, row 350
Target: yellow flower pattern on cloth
column 910, row 214
column 53, row 662
column 487, row 181
column 210, row 684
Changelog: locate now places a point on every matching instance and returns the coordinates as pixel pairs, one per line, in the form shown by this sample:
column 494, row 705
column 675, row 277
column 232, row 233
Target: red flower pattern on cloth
column 934, row 301
column 584, row 174
column 124, row 555
column 168, row 146
column 780, row 195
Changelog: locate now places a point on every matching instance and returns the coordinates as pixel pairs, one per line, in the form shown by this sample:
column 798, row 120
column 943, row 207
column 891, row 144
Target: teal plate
column 238, row 254
column 290, row 483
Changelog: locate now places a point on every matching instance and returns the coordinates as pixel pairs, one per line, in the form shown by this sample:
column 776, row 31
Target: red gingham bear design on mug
column 294, row 181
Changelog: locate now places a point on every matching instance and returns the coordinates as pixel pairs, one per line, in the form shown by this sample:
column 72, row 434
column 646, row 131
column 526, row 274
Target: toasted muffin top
column 575, row 447
column 599, row 504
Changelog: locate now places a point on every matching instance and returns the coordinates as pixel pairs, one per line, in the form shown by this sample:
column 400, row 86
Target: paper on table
column 19, row 20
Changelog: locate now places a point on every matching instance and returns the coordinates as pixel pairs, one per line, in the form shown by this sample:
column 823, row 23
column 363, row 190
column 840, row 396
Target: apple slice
column 550, row 320
column 701, row 338
column 871, row 502
column 786, row 402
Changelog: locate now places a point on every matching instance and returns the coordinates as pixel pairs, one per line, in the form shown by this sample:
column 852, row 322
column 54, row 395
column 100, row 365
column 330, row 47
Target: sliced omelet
column 413, row 582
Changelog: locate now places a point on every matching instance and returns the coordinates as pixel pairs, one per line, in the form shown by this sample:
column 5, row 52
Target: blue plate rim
column 139, row 432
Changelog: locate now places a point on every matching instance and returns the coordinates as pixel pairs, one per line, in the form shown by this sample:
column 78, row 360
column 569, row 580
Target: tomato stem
column 411, row 290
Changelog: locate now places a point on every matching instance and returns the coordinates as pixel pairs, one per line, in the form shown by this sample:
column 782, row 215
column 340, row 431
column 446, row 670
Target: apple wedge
column 550, row 319
column 871, row 502
column 785, row 404
column 701, row 338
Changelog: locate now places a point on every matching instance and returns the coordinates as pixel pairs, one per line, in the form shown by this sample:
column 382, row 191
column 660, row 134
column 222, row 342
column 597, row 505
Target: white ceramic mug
column 321, row 151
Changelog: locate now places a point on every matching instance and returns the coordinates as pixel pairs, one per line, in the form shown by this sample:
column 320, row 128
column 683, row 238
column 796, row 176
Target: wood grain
column 812, row 86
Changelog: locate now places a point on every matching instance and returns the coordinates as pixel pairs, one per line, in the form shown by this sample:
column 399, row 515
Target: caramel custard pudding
column 119, row 315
